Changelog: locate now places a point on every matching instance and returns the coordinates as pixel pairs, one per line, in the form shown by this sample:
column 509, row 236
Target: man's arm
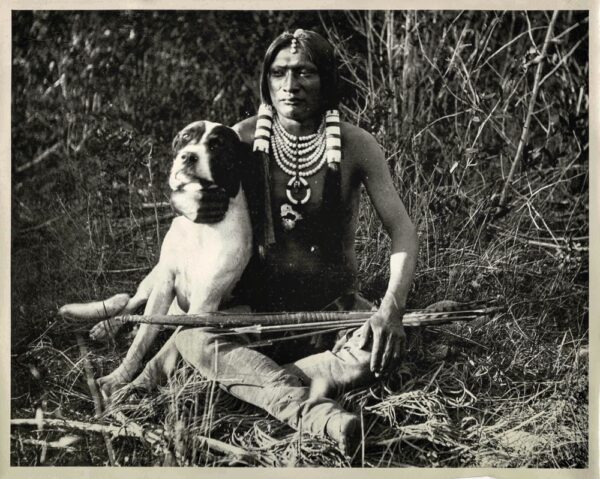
column 385, row 326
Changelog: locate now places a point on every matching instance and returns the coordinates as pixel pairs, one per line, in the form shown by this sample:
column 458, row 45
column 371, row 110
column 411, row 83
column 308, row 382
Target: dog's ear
column 177, row 142
column 227, row 169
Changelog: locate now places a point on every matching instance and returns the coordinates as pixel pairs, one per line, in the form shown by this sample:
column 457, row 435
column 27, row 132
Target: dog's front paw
column 105, row 329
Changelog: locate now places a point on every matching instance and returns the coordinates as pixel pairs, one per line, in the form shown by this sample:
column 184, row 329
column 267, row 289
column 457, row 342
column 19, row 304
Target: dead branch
column 112, row 430
column 225, row 448
column 153, row 437
column 532, row 100
column 89, row 374
column 38, row 159
column 563, row 60
column 40, row 226
column 150, row 436
column 157, row 204
column 64, row 443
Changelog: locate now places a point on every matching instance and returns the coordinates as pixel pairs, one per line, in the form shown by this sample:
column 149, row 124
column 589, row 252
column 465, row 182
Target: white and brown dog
column 199, row 264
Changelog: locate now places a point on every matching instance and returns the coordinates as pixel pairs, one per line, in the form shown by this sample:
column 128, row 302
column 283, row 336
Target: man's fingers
column 401, row 347
column 135, row 303
column 396, row 357
column 208, row 219
column 213, row 196
column 388, row 353
column 213, row 201
column 342, row 340
column 201, row 206
column 376, row 352
column 338, row 344
column 365, row 335
column 210, row 215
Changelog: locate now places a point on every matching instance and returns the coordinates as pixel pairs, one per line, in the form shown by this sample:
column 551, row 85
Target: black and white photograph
column 300, row 238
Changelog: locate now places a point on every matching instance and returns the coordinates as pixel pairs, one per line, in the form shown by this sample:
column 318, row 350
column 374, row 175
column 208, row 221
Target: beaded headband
column 333, row 142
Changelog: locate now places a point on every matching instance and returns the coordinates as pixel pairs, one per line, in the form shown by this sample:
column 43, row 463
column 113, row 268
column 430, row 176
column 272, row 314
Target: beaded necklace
column 298, row 156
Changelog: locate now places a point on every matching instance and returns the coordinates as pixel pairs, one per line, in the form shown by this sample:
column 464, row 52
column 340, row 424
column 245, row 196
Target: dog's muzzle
column 191, row 165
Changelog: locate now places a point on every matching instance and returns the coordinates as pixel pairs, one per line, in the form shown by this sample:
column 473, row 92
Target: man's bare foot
column 116, row 380
column 105, row 329
column 159, row 368
column 344, row 428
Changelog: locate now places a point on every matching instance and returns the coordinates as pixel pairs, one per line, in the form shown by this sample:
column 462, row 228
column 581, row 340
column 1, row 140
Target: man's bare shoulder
column 358, row 143
column 245, row 129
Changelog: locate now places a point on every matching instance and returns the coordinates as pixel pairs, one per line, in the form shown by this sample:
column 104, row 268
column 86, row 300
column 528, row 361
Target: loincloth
column 289, row 350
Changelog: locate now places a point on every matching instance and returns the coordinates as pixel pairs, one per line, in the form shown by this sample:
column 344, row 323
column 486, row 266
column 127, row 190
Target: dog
column 199, row 264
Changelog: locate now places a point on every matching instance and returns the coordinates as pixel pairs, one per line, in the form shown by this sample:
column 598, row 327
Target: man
column 312, row 261
column 315, row 167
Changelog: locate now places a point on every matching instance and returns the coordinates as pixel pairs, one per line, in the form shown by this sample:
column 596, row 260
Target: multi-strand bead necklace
column 298, row 156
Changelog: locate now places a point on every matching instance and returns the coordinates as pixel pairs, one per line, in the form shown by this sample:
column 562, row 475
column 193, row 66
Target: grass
column 509, row 390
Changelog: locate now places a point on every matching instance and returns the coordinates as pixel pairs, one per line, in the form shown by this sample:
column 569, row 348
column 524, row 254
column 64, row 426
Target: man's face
column 295, row 86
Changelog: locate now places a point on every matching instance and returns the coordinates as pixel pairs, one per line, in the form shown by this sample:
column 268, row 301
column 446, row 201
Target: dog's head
column 207, row 155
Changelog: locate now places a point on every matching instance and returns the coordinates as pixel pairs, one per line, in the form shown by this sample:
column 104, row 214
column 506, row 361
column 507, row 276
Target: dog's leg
column 109, row 327
column 159, row 302
column 164, row 363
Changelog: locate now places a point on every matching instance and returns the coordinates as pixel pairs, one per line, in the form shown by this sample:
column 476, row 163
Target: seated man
column 315, row 166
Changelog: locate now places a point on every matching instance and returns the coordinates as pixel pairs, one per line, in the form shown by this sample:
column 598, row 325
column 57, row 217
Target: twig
column 151, row 437
column 150, row 220
column 154, row 437
column 40, row 226
column 560, row 243
column 131, row 429
column 147, row 221
column 38, row 159
column 534, row 94
column 555, row 246
column 89, row 374
column 562, row 60
column 111, row 429
column 60, row 444
column 426, row 388
column 120, row 271
column 445, row 117
column 527, row 421
column 157, row 204
column 506, row 45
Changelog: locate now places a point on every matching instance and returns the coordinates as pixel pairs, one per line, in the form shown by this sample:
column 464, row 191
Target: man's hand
column 387, row 334
column 201, row 206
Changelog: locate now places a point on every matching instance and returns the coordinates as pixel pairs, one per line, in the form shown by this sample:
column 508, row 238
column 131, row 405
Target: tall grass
column 96, row 99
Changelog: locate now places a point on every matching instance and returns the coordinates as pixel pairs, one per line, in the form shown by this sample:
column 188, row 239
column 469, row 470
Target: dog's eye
column 186, row 137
